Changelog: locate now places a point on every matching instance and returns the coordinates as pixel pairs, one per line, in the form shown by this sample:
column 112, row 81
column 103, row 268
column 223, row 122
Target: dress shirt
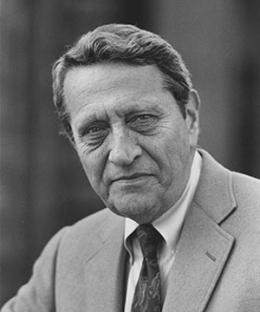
column 169, row 225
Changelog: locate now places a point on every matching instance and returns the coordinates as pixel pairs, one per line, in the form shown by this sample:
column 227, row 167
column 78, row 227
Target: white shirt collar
column 170, row 223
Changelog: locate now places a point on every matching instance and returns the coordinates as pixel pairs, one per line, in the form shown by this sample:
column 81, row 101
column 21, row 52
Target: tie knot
column 149, row 239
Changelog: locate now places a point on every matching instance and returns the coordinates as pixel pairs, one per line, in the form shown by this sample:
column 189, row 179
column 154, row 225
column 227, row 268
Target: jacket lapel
column 203, row 247
column 105, row 269
column 200, row 258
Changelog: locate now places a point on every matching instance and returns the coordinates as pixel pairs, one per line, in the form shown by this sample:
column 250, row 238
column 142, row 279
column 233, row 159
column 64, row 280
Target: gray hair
column 126, row 44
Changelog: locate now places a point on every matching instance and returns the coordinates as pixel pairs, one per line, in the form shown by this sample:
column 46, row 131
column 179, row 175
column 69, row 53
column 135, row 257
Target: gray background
column 42, row 186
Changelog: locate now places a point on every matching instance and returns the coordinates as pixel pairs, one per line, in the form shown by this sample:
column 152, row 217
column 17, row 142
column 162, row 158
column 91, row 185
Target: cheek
column 93, row 165
column 171, row 154
column 156, row 157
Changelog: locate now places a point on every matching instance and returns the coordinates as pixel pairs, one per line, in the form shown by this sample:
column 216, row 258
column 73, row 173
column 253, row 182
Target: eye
column 93, row 130
column 142, row 117
column 95, row 133
column 143, row 122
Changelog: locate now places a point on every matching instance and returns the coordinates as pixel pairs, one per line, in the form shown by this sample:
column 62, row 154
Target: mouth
column 136, row 177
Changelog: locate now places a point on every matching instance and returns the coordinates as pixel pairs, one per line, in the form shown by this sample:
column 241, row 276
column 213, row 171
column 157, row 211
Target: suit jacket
column 216, row 269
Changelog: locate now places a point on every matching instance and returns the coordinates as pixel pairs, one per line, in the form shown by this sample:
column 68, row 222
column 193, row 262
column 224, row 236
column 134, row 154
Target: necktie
column 147, row 297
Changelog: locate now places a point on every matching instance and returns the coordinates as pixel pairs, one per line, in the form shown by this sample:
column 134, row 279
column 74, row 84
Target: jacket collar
column 215, row 192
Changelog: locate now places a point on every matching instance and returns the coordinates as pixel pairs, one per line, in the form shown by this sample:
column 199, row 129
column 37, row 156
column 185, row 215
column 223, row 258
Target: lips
column 132, row 177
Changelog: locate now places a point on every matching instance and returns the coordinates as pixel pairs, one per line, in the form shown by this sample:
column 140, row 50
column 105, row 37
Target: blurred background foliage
column 42, row 186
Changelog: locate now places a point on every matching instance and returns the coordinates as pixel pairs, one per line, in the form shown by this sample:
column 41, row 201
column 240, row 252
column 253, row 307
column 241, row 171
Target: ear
column 192, row 117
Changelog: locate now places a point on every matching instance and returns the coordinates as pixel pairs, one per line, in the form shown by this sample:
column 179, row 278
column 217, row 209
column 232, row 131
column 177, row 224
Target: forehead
column 90, row 87
column 102, row 74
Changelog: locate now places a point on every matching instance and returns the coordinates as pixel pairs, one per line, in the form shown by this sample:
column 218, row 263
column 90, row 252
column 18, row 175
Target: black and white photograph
column 129, row 156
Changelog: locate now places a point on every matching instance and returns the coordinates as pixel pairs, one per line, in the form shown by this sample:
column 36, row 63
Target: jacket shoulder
column 246, row 189
column 92, row 223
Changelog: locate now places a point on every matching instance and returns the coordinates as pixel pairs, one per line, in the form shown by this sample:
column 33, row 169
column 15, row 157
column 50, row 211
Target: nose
column 123, row 149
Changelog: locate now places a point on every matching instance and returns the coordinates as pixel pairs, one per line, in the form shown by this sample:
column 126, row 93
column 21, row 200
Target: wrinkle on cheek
column 162, row 130
column 95, row 165
column 166, row 124
column 81, row 149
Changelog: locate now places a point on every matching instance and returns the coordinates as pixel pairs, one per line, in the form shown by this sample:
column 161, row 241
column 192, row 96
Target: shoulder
column 222, row 192
column 246, row 187
column 221, row 182
column 81, row 233
column 246, row 192
column 69, row 246
column 89, row 227
column 92, row 221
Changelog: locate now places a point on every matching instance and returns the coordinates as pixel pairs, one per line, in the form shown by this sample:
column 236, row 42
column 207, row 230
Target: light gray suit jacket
column 216, row 269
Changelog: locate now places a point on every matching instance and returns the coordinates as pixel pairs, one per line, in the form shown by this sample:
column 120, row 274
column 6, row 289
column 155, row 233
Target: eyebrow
column 84, row 121
column 122, row 111
column 136, row 108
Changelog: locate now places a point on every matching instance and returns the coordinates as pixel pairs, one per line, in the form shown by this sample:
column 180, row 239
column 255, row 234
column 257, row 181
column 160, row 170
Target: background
column 42, row 186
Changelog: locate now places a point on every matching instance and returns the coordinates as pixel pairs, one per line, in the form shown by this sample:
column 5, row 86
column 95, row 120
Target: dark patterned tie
column 147, row 297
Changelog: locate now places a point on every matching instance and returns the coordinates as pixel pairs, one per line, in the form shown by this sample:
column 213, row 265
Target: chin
column 140, row 209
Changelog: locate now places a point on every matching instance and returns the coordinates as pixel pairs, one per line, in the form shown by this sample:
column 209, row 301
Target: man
column 181, row 232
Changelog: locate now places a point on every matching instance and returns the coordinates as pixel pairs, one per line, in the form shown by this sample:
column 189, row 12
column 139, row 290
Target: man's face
column 134, row 144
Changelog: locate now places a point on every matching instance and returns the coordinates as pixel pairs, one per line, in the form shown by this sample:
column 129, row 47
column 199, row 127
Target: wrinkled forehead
column 102, row 74
column 87, row 84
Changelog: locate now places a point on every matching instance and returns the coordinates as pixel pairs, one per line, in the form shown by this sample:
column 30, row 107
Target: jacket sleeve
column 38, row 295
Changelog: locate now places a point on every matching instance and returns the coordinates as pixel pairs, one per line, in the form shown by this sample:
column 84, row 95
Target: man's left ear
column 192, row 117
